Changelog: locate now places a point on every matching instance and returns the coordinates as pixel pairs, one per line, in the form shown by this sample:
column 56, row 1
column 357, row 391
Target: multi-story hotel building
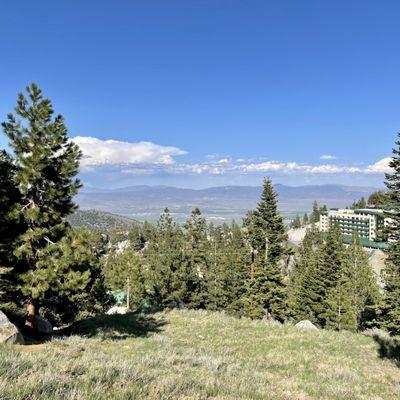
column 368, row 223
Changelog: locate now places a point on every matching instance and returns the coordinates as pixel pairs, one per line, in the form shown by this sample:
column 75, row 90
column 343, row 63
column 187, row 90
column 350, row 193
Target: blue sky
column 201, row 93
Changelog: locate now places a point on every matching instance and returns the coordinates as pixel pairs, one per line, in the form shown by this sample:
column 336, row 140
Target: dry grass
column 198, row 355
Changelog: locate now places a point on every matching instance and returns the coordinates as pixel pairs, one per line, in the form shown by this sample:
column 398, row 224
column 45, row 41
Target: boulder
column 9, row 333
column 42, row 325
column 117, row 310
column 306, row 324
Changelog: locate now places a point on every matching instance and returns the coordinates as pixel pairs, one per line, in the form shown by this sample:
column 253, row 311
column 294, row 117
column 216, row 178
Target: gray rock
column 42, row 325
column 9, row 333
column 306, row 324
column 117, row 310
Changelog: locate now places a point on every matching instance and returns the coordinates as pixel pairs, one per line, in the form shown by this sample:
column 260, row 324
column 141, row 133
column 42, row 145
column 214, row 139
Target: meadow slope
column 196, row 355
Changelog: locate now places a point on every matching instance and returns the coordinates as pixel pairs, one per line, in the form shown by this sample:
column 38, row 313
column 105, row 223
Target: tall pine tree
column 315, row 214
column 305, row 297
column 196, row 249
column 330, row 270
column 364, row 281
column 265, row 287
column 391, row 273
column 46, row 165
column 165, row 260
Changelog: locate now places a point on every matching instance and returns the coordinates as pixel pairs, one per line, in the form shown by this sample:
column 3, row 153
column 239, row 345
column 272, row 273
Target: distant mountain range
column 219, row 204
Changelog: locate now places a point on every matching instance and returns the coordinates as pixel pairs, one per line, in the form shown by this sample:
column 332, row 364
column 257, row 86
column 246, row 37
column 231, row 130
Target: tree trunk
column 31, row 312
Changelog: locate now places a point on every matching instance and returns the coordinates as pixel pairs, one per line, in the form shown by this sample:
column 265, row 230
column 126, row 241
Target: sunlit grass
column 198, row 355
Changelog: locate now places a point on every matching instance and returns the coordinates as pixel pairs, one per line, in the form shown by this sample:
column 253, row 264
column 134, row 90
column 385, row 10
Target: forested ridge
column 100, row 220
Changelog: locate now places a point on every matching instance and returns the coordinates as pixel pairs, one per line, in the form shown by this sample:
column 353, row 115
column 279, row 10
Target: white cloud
column 113, row 152
column 146, row 158
column 327, row 157
column 380, row 166
column 293, row 167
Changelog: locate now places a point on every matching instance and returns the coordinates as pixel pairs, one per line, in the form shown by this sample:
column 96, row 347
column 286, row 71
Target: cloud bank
column 144, row 158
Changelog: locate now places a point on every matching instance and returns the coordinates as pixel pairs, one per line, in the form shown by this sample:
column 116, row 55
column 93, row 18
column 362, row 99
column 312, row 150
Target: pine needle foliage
column 391, row 273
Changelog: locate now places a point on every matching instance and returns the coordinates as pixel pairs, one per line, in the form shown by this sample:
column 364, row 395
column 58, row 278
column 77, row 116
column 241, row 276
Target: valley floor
column 197, row 355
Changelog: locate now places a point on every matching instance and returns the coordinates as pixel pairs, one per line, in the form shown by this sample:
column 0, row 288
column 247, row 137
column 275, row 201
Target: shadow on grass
column 116, row 326
column 389, row 347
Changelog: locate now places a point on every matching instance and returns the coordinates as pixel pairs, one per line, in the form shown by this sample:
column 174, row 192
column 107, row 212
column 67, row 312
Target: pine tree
column 217, row 296
column 266, row 236
column 125, row 271
column 227, row 260
column 236, row 260
column 296, row 223
column 341, row 311
column 164, row 259
column 377, row 199
column 364, row 282
column 391, row 273
column 359, row 204
column 304, row 294
column 315, row 214
column 196, row 249
column 10, row 228
column 341, row 286
column 46, row 165
column 256, row 293
column 77, row 283
column 305, row 219
column 330, row 270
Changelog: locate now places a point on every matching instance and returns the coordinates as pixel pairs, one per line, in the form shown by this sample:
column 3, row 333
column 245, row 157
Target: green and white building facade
column 369, row 224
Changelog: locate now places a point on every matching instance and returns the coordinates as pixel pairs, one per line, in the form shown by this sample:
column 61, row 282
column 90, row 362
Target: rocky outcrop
column 306, row 324
column 9, row 333
column 117, row 310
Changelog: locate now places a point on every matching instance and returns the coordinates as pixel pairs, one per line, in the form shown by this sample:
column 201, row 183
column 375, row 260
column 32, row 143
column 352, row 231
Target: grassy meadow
column 196, row 355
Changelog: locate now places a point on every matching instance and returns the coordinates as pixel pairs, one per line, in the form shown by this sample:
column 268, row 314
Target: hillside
column 218, row 204
column 102, row 220
column 197, row 355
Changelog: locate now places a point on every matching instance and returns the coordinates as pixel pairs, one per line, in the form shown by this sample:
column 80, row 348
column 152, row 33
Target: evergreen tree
column 391, row 273
column 217, row 296
column 305, row 219
column 46, row 165
column 359, row 204
column 305, row 294
column 125, row 271
column 137, row 237
column 324, row 208
column 236, row 260
column 256, row 293
column 342, row 297
column 228, row 256
column 296, row 223
column 77, row 283
column 330, row 270
column 266, row 289
column 196, row 269
column 10, row 228
column 341, row 312
column 315, row 214
column 364, row 283
column 164, row 259
column 377, row 199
